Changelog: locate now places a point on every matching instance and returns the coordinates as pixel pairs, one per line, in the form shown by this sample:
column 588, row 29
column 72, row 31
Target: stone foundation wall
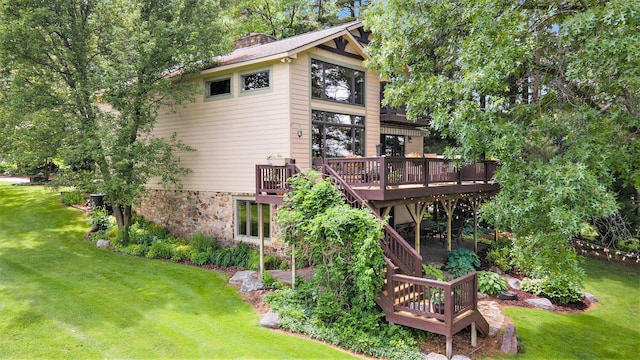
column 186, row 212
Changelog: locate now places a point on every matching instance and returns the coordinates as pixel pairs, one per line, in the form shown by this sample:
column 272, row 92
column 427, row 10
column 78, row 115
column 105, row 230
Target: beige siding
column 233, row 134
column 301, row 111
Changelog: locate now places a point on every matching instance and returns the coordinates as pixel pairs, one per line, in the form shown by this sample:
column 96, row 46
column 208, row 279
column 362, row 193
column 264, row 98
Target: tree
column 131, row 56
column 549, row 89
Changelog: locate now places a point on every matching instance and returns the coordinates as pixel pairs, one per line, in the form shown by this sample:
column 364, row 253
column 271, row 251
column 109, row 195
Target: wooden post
column 293, row 266
column 475, row 202
column 417, row 213
column 449, row 205
column 261, row 236
column 449, row 346
column 474, row 335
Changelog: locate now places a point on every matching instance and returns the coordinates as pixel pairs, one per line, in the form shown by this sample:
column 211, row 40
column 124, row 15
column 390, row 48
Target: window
column 255, row 81
column 392, row 145
column 336, row 83
column 247, row 220
column 337, row 135
column 217, row 87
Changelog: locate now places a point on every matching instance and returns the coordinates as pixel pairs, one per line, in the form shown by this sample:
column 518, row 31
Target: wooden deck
column 388, row 179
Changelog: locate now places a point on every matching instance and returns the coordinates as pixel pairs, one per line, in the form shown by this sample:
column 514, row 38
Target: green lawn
column 61, row 297
column 608, row 331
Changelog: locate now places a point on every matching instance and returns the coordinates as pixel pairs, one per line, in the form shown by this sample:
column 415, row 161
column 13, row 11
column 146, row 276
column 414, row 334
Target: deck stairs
column 407, row 298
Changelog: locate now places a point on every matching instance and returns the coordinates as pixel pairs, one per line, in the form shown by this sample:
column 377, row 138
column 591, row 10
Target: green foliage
column 202, row 243
column 530, row 285
column 431, row 271
column 461, row 262
column 562, row 289
column 631, row 245
column 560, row 144
column 100, row 219
column 73, row 197
column 491, row 283
column 181, row 252
column 500, row 254
column 160, row 250
column 588, row 232
column 270, row 282
column 240, row 256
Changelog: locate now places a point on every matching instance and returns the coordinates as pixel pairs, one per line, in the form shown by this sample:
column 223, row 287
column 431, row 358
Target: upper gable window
column 337, row 83
column 217, row 87
column 255, row 81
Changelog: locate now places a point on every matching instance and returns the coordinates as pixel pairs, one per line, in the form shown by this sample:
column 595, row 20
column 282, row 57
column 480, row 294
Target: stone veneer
column 184, row 212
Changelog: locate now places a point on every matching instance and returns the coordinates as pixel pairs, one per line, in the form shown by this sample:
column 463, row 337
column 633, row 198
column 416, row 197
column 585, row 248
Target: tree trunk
column 122, row 214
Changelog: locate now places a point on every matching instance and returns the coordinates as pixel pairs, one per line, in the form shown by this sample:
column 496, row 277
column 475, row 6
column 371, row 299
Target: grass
column 62, row 297
column 608, row 331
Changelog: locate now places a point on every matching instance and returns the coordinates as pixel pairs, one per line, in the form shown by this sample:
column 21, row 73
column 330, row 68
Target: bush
column 160, row 250
column 561, row 289
column 491, row 283
column 431, row 271
column 631, row 245
column 530, row 285
column 181, row 253
column 100, row 219
column 73, row 197
column 239, row 256
column 461, row 262
column 500, row 254
column 202, row 243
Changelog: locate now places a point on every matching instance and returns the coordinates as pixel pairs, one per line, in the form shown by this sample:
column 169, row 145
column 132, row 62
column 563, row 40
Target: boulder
column 494, row 316
column 104, row 244
column 513, row 282
column 436, row 356
column 252, row 283
column 590, row 297
column 240, row 276
column 542, row 303
column 509, row 340
column 270, row 320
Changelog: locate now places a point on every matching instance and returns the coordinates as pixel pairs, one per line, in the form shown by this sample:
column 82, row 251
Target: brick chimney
column 253, row 39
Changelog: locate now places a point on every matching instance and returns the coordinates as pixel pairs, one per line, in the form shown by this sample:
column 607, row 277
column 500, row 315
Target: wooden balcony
column 387, row 178
column 393, row 178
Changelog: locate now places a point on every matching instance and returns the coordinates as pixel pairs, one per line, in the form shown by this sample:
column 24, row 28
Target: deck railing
column 272, row 181
column 391, row 171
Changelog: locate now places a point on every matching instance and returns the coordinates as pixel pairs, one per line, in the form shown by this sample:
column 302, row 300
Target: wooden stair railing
column 394, row 246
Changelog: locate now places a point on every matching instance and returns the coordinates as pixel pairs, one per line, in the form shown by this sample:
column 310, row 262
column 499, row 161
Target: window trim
column 207, row 96
column 343, row 65
column 352, row 126
column 243, row 74
column 236, row 221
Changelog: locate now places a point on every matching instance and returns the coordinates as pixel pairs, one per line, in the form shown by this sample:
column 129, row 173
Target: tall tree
column 128, row 55
column 551, row 89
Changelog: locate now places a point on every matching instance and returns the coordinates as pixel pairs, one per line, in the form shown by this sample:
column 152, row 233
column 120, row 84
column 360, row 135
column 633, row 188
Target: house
column 306, row 98
column 310, row 99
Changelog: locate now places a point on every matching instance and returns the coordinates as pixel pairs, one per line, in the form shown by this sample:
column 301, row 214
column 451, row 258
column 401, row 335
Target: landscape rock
column 436, row 356
column 482, row 296
column 496, row 270
column 249, row 280
column 494, row 316
column 240, row 276
column 513, row 282
column 270, row 320
column 542, row 303
column 509, row 341
column 104, row 244
column 590, row 297
column 460, row 357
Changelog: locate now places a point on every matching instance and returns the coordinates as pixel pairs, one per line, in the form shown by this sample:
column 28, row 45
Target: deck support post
column 449, row 205
column 449, row 346
column 417, row 213
column 293, row 266
column 261, row 236
column 474, row 335
column 475, row 202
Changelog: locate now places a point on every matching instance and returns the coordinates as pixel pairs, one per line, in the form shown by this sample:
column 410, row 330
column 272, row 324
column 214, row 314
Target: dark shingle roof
column 288, row 45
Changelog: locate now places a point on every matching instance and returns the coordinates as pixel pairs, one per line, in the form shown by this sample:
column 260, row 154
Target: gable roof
column 288, row 47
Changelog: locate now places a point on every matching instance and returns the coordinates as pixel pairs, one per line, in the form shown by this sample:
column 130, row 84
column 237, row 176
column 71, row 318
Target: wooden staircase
column 443, row 308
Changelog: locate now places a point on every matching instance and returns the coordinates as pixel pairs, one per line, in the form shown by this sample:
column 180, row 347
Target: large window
column 393, row 145
column 254, row 81
column 337, row 135
column 336, row 83
column 247, row 220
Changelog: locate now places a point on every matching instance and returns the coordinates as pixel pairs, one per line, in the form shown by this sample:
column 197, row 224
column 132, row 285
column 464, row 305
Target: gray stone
column 590, row 297
column 482, row 296
column 270, row 320
column 494, row 316
column 509, row 341
column 460, row 357
column 496, row 270
column 513, row 282
column 240, row 276
column 102, row 244
column 436, row 356
column 252, row 283
column 542, row 303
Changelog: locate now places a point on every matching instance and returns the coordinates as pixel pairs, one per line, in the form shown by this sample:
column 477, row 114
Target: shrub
column 461, row 262
column 491, row 283
column 73, row 197
column 202, row 243
column 181, row 252
column 136, row 249
column 160, row 250
column 199, row 258
column 100, row 219
column 500, row 254
column 272, row 262
column 270, row 282
column 562, row 289
column 629, row 245
column 432, row 271
column 530, row 285
column 239, row 256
